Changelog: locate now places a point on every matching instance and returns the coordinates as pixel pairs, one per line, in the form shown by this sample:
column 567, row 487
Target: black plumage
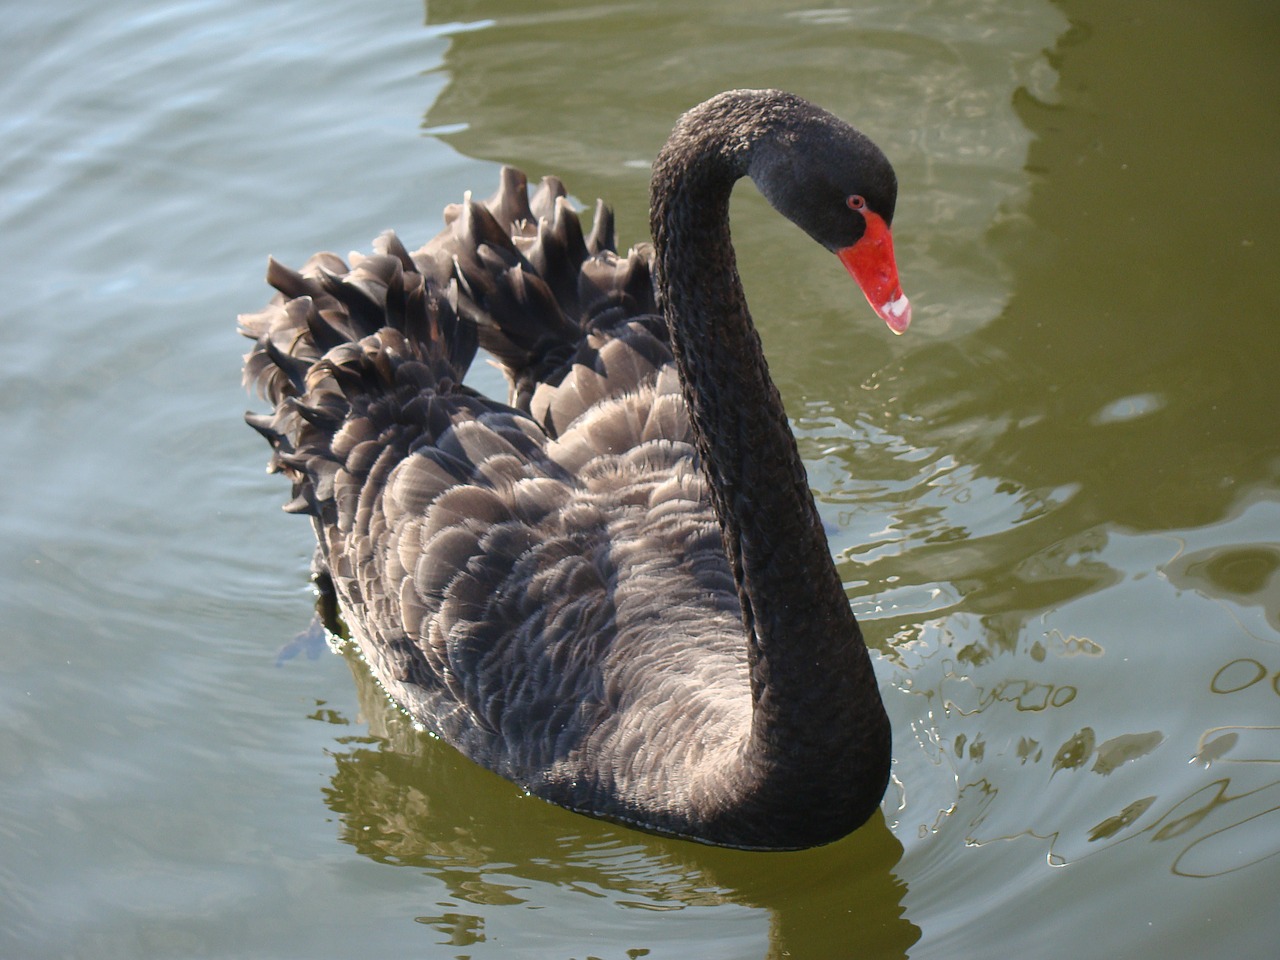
column 612, row 588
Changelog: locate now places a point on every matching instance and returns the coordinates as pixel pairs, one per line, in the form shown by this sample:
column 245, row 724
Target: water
column 1056, row 502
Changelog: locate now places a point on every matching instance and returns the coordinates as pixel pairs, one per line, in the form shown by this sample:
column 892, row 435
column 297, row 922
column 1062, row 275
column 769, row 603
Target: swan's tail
column 377, row 350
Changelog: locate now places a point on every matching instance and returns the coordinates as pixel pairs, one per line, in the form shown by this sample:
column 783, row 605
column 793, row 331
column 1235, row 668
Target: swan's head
column 837, row 186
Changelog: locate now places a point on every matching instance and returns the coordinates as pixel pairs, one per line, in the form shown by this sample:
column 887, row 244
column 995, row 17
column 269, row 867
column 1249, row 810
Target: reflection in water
column 1133, row 360
column 1073, row 690
column 1224, row 823
column 405, row 798
column 987, row 723
column 1242, row 574
column 1009, row 756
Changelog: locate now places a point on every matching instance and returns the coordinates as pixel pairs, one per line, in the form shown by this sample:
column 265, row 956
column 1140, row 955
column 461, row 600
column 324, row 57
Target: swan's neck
column 818, row 723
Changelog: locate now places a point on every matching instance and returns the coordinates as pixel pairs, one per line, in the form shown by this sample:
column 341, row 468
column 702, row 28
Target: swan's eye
column 856, row 202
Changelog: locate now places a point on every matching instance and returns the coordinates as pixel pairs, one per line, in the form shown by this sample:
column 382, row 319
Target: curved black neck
column 811, row 677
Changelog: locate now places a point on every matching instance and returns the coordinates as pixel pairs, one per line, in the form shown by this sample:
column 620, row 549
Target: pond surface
column 1055, row 502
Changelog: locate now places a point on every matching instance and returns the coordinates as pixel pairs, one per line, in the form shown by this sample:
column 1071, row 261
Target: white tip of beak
column 896, row 313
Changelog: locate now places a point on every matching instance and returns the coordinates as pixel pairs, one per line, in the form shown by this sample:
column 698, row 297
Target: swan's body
column 614, row 591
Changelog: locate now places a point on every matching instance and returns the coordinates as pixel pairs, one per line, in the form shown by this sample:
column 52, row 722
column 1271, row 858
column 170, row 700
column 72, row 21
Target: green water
column 1055, row 502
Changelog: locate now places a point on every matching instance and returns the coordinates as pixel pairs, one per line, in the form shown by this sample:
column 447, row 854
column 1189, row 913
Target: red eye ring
column 856, row 202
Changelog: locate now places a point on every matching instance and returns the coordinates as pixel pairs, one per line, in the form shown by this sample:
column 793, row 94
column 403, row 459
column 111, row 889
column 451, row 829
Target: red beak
column 870, row 262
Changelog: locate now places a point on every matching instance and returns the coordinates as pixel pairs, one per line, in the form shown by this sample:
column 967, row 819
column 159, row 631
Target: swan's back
column 542, row 582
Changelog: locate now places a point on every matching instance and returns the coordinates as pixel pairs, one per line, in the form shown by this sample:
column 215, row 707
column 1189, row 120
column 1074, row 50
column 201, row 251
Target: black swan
column 613, row 589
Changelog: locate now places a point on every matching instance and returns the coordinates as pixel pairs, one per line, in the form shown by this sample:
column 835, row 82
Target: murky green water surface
column 1055, row 502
